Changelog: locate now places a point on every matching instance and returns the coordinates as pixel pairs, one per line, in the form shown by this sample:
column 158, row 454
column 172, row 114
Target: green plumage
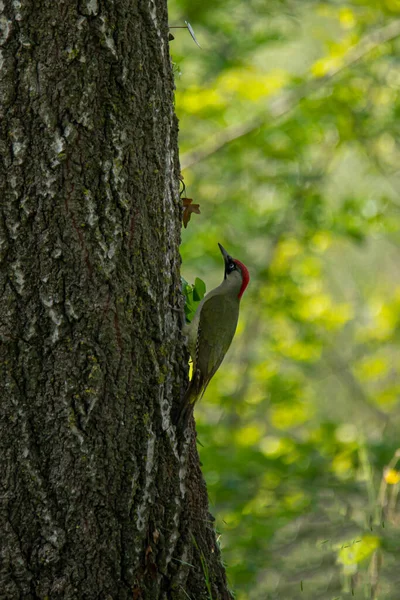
column 217, row 326
column 211, row 331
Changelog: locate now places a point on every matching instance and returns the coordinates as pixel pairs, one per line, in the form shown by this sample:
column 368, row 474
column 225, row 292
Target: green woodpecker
column 212, row 329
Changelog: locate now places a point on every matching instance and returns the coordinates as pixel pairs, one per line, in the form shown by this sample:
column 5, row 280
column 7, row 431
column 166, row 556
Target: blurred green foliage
column 289, row 141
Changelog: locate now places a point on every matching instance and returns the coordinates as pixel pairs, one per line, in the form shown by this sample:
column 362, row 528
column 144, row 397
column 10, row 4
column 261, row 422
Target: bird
column 212, row 329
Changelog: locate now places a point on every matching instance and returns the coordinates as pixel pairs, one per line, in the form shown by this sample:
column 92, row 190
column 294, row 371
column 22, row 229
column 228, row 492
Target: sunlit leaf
column 353, row 552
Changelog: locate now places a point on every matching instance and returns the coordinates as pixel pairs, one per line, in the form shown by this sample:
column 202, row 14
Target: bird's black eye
column 231, row 267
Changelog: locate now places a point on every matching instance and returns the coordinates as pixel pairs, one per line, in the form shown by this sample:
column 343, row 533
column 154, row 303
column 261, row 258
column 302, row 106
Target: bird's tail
column 195, row 390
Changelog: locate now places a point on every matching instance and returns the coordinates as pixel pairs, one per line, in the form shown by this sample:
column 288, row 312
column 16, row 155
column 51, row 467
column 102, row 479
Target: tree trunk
column 98, row 499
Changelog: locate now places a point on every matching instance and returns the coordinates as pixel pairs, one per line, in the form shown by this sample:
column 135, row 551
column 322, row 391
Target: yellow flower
column 391, row 476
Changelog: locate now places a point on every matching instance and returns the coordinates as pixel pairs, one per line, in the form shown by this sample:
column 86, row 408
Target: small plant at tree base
column 193, row 296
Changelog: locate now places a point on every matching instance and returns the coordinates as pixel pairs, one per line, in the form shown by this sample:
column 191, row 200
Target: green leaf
column 199, row 289
column 193, row 295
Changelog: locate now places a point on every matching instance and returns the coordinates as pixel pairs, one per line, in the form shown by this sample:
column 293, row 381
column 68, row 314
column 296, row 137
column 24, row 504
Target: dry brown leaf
column 188, row 209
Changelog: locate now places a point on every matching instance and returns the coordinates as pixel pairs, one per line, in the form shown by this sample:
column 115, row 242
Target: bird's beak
column 227, row 257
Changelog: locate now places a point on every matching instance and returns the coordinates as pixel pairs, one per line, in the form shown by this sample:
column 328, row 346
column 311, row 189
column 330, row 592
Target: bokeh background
column 289, row 141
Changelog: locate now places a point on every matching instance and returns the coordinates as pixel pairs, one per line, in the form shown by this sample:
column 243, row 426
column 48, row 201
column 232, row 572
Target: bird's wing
column 218, row 320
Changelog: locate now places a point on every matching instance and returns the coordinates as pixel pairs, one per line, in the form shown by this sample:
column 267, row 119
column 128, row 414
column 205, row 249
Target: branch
column 342, row 371
column 285, row 103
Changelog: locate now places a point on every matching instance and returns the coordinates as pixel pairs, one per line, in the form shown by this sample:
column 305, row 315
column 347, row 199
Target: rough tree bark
column 98, row 499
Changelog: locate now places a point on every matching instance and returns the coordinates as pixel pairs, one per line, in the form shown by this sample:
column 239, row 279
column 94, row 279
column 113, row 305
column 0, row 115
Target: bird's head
column 236, row 274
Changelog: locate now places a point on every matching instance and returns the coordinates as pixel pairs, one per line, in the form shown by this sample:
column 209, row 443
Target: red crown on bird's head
column 245, row 276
